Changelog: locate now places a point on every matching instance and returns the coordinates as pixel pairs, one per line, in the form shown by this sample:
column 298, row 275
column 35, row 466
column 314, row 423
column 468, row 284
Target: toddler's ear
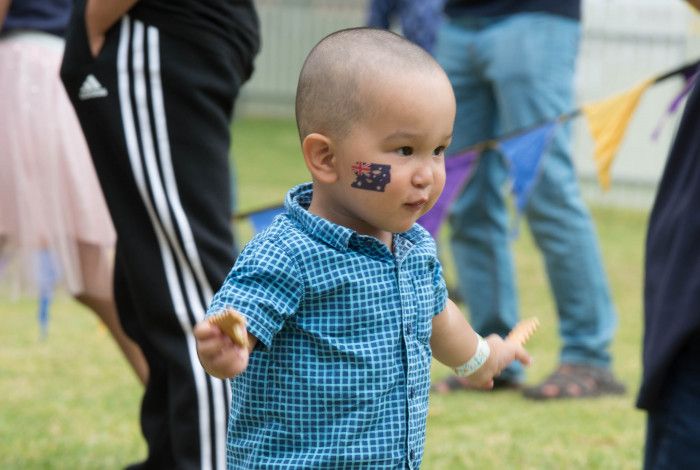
column 319, row 158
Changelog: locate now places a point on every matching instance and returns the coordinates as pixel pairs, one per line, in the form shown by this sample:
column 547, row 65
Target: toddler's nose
column 423, row 176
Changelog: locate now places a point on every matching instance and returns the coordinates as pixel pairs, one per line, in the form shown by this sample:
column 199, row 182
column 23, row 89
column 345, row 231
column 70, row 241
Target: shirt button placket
column 404, row 280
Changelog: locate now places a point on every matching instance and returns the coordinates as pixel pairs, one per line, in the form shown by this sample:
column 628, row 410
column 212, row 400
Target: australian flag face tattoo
column 371, row 176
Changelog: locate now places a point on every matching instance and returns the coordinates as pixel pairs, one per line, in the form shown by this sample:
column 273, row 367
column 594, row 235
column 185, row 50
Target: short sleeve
column 265, row 286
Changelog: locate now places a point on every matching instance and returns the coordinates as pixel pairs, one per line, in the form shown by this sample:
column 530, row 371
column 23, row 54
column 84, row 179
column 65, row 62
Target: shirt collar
column 341, row 238
column 297, row 204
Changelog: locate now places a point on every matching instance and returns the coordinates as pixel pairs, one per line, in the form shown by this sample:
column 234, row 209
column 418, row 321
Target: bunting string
column 607, row 121
column 523, row 149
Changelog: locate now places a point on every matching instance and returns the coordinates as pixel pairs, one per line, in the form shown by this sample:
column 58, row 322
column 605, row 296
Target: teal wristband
column 477, row 360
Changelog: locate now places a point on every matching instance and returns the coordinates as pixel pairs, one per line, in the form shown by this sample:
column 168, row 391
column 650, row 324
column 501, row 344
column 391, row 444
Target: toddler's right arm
column 218, row 355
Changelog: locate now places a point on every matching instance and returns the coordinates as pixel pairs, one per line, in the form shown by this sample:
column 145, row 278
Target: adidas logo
column 91, row 88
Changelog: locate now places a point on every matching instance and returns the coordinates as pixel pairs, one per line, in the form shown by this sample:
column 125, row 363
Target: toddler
column 344, row 295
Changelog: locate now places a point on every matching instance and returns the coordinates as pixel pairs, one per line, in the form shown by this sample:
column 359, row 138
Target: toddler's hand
column 502, row 354
column 217, row 353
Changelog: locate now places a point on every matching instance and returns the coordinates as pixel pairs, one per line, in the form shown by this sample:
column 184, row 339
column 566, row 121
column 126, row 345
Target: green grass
column 268, row 161
column 503, row 430
column 71, row 402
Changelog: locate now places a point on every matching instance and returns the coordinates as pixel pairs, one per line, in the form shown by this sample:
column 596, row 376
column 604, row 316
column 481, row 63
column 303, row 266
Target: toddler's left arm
column 454, row 342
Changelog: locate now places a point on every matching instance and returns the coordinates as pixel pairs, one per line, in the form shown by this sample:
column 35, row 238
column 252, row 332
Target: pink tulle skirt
column 51, row 205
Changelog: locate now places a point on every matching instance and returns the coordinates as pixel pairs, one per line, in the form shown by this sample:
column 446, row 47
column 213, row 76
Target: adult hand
column 100, row 15
column 95, row 31
column 4, row 6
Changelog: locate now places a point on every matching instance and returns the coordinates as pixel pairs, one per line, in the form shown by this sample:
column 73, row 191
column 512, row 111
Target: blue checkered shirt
column 341, row 373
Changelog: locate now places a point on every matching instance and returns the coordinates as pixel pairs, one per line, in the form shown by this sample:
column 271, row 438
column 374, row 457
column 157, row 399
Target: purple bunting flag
column 458, row 169
column 675, row 104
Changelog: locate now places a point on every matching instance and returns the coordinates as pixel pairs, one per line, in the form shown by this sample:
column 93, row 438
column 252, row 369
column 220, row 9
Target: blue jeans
column 509, row 73
column 673, row 428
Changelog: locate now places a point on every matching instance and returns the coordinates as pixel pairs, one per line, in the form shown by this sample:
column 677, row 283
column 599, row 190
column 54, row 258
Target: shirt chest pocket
column 424, row 304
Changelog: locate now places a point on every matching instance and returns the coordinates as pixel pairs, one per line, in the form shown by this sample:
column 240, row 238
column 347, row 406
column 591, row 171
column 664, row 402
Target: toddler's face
column 391, row 165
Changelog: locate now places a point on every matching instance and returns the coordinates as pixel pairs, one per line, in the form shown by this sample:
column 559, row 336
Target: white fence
column 624, row 42
column 290, row 28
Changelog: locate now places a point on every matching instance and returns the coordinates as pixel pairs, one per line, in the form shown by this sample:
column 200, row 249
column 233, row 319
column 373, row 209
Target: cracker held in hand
column 232, row 324
column 523, row 330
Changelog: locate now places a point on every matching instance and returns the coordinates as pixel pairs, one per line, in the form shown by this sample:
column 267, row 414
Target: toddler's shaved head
column 332, row 93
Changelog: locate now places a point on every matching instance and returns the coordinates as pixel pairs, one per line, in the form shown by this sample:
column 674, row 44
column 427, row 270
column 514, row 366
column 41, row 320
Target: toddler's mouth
column 417, row 204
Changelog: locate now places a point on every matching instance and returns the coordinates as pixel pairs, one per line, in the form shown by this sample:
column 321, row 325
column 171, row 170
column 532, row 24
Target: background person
column 671, row 358
column 154, row 83
column 420, row 19
column 511, row 64
column 51, row 204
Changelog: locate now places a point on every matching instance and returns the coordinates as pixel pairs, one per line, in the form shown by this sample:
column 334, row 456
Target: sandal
column 576, row 381
column 454, row 383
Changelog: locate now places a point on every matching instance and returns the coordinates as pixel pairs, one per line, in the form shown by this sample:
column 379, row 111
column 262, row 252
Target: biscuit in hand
column 232, row 324
column 523, row 330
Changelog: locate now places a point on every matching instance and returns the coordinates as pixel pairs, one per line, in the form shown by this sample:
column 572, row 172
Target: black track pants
column 156, row 110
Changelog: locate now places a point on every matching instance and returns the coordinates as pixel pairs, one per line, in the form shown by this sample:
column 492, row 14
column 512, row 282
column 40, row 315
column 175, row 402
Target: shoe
column 576, row 381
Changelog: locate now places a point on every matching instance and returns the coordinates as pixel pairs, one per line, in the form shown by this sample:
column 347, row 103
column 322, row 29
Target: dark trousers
column 673, row 427
column 155, row 110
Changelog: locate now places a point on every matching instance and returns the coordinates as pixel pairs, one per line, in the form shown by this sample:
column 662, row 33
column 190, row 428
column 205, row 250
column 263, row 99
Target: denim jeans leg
column 564, row 232
column 532, row 71
column 478, row 218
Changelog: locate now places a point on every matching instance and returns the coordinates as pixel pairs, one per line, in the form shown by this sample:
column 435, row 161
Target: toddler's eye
column 405, row 151
column 439, row 151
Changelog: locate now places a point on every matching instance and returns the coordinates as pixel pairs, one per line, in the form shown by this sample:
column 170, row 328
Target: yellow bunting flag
column 607, row 121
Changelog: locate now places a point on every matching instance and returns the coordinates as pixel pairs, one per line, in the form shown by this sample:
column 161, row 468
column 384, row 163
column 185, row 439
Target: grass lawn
column 70, row 402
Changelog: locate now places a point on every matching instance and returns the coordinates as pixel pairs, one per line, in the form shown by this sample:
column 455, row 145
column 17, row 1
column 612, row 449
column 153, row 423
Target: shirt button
column 412, row 455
